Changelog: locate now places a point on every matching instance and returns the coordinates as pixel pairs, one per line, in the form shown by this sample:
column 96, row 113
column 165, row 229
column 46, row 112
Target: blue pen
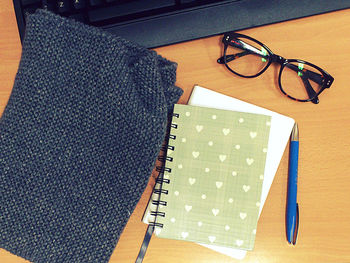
column 292, row 211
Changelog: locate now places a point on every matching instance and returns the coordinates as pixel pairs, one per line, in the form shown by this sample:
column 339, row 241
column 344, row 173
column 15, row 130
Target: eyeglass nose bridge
column 278, row 59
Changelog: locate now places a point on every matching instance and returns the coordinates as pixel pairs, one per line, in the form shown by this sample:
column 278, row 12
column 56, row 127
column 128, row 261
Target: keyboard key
column 79, row 4
column 30, row 2
column 49, row 5
column 96, row 2
column 63, row 6
column 128, row 8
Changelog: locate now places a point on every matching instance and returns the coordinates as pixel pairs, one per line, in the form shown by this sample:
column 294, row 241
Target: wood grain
column 324, row 181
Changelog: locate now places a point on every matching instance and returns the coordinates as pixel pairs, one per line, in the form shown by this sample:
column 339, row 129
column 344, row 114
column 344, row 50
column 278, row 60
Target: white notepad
column 280, row 130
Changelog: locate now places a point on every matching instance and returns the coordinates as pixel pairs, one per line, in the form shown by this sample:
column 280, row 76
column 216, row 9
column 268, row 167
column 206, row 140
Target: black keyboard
column 154, row 23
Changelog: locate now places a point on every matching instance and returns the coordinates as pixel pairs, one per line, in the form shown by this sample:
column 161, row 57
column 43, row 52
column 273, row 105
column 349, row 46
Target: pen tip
column 291, row 242
column 295, row 133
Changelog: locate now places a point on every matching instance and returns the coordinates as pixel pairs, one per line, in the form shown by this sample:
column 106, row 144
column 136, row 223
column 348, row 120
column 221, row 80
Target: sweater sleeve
column 156, row 78
column 78, row 139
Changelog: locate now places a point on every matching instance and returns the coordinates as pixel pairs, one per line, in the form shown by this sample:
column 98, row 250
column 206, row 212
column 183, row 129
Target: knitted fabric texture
column 78, row 139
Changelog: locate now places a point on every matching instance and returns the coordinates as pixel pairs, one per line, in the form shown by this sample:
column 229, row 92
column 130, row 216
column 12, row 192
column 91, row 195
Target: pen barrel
column 291, row 211
column 293, row 172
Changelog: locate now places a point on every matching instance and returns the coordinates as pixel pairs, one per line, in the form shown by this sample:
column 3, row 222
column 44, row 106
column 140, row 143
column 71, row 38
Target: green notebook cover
column 216, row 176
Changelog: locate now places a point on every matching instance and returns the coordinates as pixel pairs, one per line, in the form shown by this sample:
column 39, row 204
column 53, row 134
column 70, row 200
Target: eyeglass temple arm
column 229, row 58
column 310, row 91
column 248, row 49
column 318, row 78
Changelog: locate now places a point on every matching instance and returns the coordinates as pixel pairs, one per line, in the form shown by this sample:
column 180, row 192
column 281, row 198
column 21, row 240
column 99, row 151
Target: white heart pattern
column 222, row 157
column 195, row 154
column 188, row 208
column 176, row 193
column 249, row 161
column 215, row 211
column 199, row 128
column 199, row 223
column 239, row 242
column 191, row 180
column 184, row 234
column 219, row 184
column 246, row 188
column 242, row 215
column 226, row 131
column 211, row 238
column 253, row 134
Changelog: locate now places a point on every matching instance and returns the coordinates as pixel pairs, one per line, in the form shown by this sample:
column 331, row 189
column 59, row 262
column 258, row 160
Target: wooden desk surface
column 324, row 180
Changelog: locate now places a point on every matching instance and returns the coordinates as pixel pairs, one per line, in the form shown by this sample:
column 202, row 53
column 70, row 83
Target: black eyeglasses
column 298, row 80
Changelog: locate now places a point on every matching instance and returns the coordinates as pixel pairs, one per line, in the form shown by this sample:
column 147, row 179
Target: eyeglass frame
column 273, row 58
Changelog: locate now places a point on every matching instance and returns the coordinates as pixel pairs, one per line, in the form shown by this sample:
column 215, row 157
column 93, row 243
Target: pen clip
column 297, row 226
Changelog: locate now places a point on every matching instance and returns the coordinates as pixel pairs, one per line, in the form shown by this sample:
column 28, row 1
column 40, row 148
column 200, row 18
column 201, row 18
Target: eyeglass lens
column 301, row 81
column 246, row 57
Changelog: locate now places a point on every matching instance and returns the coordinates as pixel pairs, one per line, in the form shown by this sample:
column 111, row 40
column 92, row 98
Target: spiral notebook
column 280, row 130
column 213, row 175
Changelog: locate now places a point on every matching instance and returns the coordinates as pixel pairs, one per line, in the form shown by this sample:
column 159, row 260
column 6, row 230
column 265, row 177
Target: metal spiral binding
column 161, row 169
column 162, row 180
column 156, row 202
column 165, row 158
column 157, row 213
column 160, row 191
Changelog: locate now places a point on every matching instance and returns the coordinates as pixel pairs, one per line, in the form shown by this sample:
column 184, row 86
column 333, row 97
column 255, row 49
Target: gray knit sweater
column 78, row 139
